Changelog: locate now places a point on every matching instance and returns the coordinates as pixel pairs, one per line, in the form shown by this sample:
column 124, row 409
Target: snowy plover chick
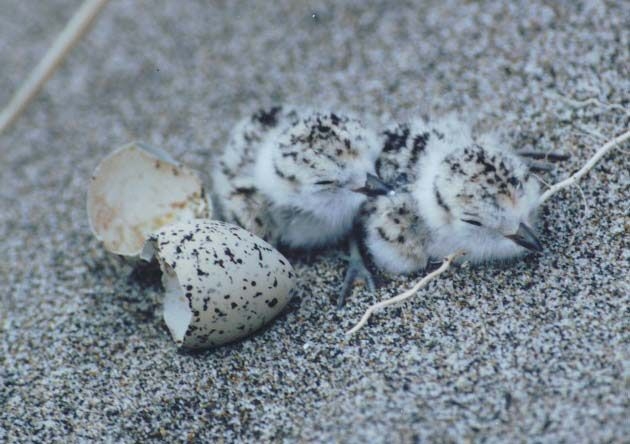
column 297, row 177
column 239, row 198
column 314, row 173
column 481, row 199
column 454, row 193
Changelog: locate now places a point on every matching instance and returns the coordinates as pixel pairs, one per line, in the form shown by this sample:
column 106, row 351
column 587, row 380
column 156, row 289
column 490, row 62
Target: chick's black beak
column 526, row 238
column 374, row 187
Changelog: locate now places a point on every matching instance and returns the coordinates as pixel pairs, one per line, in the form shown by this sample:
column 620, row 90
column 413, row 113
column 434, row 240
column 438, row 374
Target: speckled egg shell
column 222, row 282
column 138, row 189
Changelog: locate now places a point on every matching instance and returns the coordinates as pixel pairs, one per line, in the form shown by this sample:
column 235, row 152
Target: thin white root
column 597, row 136
column 407, row 294
column 587, row 208
column 601, row 152
column 70, row 35
column 592, row 132
column 590, row 101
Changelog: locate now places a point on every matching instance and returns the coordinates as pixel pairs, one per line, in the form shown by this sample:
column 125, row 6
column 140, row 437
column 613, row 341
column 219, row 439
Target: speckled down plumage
column 454, row 194
column 287, row 174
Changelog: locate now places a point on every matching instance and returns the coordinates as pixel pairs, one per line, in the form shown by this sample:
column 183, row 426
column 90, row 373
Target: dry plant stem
column 70, row 35
column 601, row 152
column 590, row 101
column 407, row 294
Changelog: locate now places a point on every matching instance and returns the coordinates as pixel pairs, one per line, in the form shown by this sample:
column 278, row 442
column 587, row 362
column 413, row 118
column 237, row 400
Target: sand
column 532, row 351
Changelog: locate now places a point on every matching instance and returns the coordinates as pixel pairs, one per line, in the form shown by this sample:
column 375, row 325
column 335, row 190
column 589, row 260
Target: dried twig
column 407, row 294
column 584, row 103
column 591, row 132
column 601, row 152
column 70, row 35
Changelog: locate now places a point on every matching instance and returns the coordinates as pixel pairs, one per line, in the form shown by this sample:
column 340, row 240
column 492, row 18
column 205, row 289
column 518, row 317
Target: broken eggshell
column 138, row 189
column 222, row 282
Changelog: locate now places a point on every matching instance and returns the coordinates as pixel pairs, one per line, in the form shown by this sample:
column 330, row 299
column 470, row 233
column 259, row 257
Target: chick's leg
column 357, row 270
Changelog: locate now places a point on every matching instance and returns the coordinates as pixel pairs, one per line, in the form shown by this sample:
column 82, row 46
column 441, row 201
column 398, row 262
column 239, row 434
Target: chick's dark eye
column 472, row 222
column 324, row 182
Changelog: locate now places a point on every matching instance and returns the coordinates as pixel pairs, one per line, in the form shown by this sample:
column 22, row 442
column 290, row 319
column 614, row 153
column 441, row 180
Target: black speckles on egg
column 259, row 251
column 219, row 312
column 230, row 255
column 233, row 281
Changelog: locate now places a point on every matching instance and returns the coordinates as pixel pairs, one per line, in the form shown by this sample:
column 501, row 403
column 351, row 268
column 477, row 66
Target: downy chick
column 453, row 193
column 297, row 178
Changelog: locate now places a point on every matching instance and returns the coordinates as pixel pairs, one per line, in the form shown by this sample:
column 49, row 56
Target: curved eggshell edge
column 136, row 190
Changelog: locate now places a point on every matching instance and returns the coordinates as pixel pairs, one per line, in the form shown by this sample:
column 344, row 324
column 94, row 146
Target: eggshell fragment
column 138, row 189
column 222, row 282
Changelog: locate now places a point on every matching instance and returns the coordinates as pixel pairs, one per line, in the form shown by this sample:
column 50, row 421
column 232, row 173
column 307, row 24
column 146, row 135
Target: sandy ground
column 536, row 351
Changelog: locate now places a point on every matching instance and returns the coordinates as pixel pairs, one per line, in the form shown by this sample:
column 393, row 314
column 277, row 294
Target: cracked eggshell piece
column 222, row 282
column 138, row 189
